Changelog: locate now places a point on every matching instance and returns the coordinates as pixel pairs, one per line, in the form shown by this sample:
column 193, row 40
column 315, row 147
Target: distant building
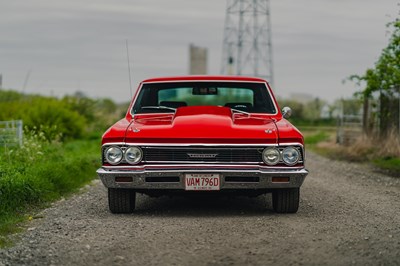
column 198, row 60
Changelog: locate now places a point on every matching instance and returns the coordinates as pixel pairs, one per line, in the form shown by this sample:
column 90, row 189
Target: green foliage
column 297, row 108
column 391, row 164
column 82, row 105
column 384, row 78
column 313, row 109
column 308, row 114
column 383, row 153
column 52, row 161
column 98, row 114
column 72, row 117
column 349, row 106
column 45, row 114
column 40, row 172
column 386, row 73
column 9, row 96
column 53, row 117
column 316, row 137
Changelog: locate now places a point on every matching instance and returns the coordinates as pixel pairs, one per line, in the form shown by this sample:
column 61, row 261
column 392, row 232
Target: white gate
column 11, row 133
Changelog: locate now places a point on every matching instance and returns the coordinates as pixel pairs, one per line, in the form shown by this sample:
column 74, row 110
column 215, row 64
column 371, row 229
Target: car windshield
column 167, row 97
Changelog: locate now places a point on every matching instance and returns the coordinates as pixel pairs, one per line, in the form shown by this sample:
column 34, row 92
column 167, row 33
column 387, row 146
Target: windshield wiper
column 159, row 107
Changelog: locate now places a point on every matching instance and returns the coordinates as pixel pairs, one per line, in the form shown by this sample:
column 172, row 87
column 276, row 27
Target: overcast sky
column 59, row 47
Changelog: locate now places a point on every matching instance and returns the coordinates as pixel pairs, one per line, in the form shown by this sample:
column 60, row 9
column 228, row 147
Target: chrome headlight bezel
column 290, row 152
column 135, row 150
column 271, row 152
column 118, row 153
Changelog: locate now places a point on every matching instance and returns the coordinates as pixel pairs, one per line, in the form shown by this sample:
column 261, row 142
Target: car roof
column 204, row 78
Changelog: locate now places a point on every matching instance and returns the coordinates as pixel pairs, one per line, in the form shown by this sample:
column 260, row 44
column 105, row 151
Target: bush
column 53, row 117
column 49, row 115
column 71, row 117
column 41, row 171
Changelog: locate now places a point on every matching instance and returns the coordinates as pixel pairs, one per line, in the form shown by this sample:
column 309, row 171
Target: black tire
column 286, row 200
column 121, row 200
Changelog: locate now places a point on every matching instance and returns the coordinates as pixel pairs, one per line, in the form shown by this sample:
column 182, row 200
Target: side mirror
column 286, row 112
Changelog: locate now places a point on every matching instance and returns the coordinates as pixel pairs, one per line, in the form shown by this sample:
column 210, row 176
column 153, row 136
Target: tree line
column 71, row 117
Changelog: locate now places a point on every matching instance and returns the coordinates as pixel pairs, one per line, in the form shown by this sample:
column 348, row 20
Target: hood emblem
column 268, row 131
column 202, row 155
column 136, row 130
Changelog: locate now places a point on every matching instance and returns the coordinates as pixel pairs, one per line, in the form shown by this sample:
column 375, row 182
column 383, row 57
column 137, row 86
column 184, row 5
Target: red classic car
column 203, row 134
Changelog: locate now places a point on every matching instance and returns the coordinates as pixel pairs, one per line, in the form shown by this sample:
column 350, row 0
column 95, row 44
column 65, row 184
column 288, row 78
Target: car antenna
column 129, row 67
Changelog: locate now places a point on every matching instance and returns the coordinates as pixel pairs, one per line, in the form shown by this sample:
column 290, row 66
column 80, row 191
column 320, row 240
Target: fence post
column 20, row 131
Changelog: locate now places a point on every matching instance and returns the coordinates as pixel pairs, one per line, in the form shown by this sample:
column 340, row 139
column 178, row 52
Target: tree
column 385, row 79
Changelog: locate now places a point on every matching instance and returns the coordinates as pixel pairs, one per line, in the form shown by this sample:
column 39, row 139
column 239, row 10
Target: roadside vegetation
column 383, row 153
column 321, row 135
column 380, row 142
column 60, row 152
column 376, row 140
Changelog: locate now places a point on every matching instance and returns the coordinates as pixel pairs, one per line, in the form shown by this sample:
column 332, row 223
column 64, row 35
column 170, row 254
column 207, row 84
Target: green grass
column 357, row 152
column 39, row 173
column 391, row 164
column 316, row 134
column 316, row 138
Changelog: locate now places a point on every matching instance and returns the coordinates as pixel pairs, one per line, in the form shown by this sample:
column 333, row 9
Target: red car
column 203, row 134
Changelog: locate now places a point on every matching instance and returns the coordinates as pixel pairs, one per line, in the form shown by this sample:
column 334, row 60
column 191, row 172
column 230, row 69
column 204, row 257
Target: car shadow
column 203, row 206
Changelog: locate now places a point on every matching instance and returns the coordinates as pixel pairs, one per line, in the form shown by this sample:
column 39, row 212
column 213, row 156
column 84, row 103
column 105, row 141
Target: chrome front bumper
column 259, row 178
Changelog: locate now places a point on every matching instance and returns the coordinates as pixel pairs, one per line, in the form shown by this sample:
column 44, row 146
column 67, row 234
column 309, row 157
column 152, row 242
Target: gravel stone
column 349, row 214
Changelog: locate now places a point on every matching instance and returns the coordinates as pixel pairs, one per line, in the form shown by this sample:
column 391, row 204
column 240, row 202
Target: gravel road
column 348, row 214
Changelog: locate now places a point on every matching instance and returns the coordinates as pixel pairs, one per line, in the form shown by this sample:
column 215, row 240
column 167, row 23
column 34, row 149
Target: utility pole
column 247, row 44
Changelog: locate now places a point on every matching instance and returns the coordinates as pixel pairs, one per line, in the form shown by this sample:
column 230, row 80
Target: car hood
column 202, row 124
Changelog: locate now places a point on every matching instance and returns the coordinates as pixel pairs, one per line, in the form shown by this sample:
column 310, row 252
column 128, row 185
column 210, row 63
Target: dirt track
column 349, row 214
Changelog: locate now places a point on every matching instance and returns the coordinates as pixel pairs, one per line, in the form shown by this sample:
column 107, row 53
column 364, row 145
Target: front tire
column 286, row 200
column 121, row 200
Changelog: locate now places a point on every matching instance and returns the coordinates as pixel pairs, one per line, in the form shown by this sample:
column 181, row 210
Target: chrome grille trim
column 234, row 155
column 163, row 154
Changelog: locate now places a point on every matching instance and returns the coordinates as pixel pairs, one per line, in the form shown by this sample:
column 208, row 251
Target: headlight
column 133, row 155
column 271, row 156
column 290, row 155
column 113, row 155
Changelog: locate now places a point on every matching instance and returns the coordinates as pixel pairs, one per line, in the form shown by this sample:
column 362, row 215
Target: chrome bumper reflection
column 140, row 178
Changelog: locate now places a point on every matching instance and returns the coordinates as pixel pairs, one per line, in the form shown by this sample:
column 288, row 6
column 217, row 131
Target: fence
column 11, row 133
column 350, row 127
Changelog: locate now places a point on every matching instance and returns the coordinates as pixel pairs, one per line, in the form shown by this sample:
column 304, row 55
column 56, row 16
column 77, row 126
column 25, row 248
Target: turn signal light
column 123, row 179
column 280, row 179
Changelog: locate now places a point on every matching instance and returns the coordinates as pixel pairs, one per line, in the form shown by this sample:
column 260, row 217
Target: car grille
column 202, row 154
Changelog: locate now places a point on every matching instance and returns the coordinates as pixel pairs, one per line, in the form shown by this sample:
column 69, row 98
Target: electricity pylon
column 247, row 45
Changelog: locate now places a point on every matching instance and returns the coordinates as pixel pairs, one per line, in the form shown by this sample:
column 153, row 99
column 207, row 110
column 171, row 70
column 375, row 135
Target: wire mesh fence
column 11, row 133
column 349, row 128
column 378, row 117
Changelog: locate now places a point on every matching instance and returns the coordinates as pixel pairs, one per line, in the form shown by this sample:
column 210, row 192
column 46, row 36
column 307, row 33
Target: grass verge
column 383, row 153
column 389, row 164
column 38, row 173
